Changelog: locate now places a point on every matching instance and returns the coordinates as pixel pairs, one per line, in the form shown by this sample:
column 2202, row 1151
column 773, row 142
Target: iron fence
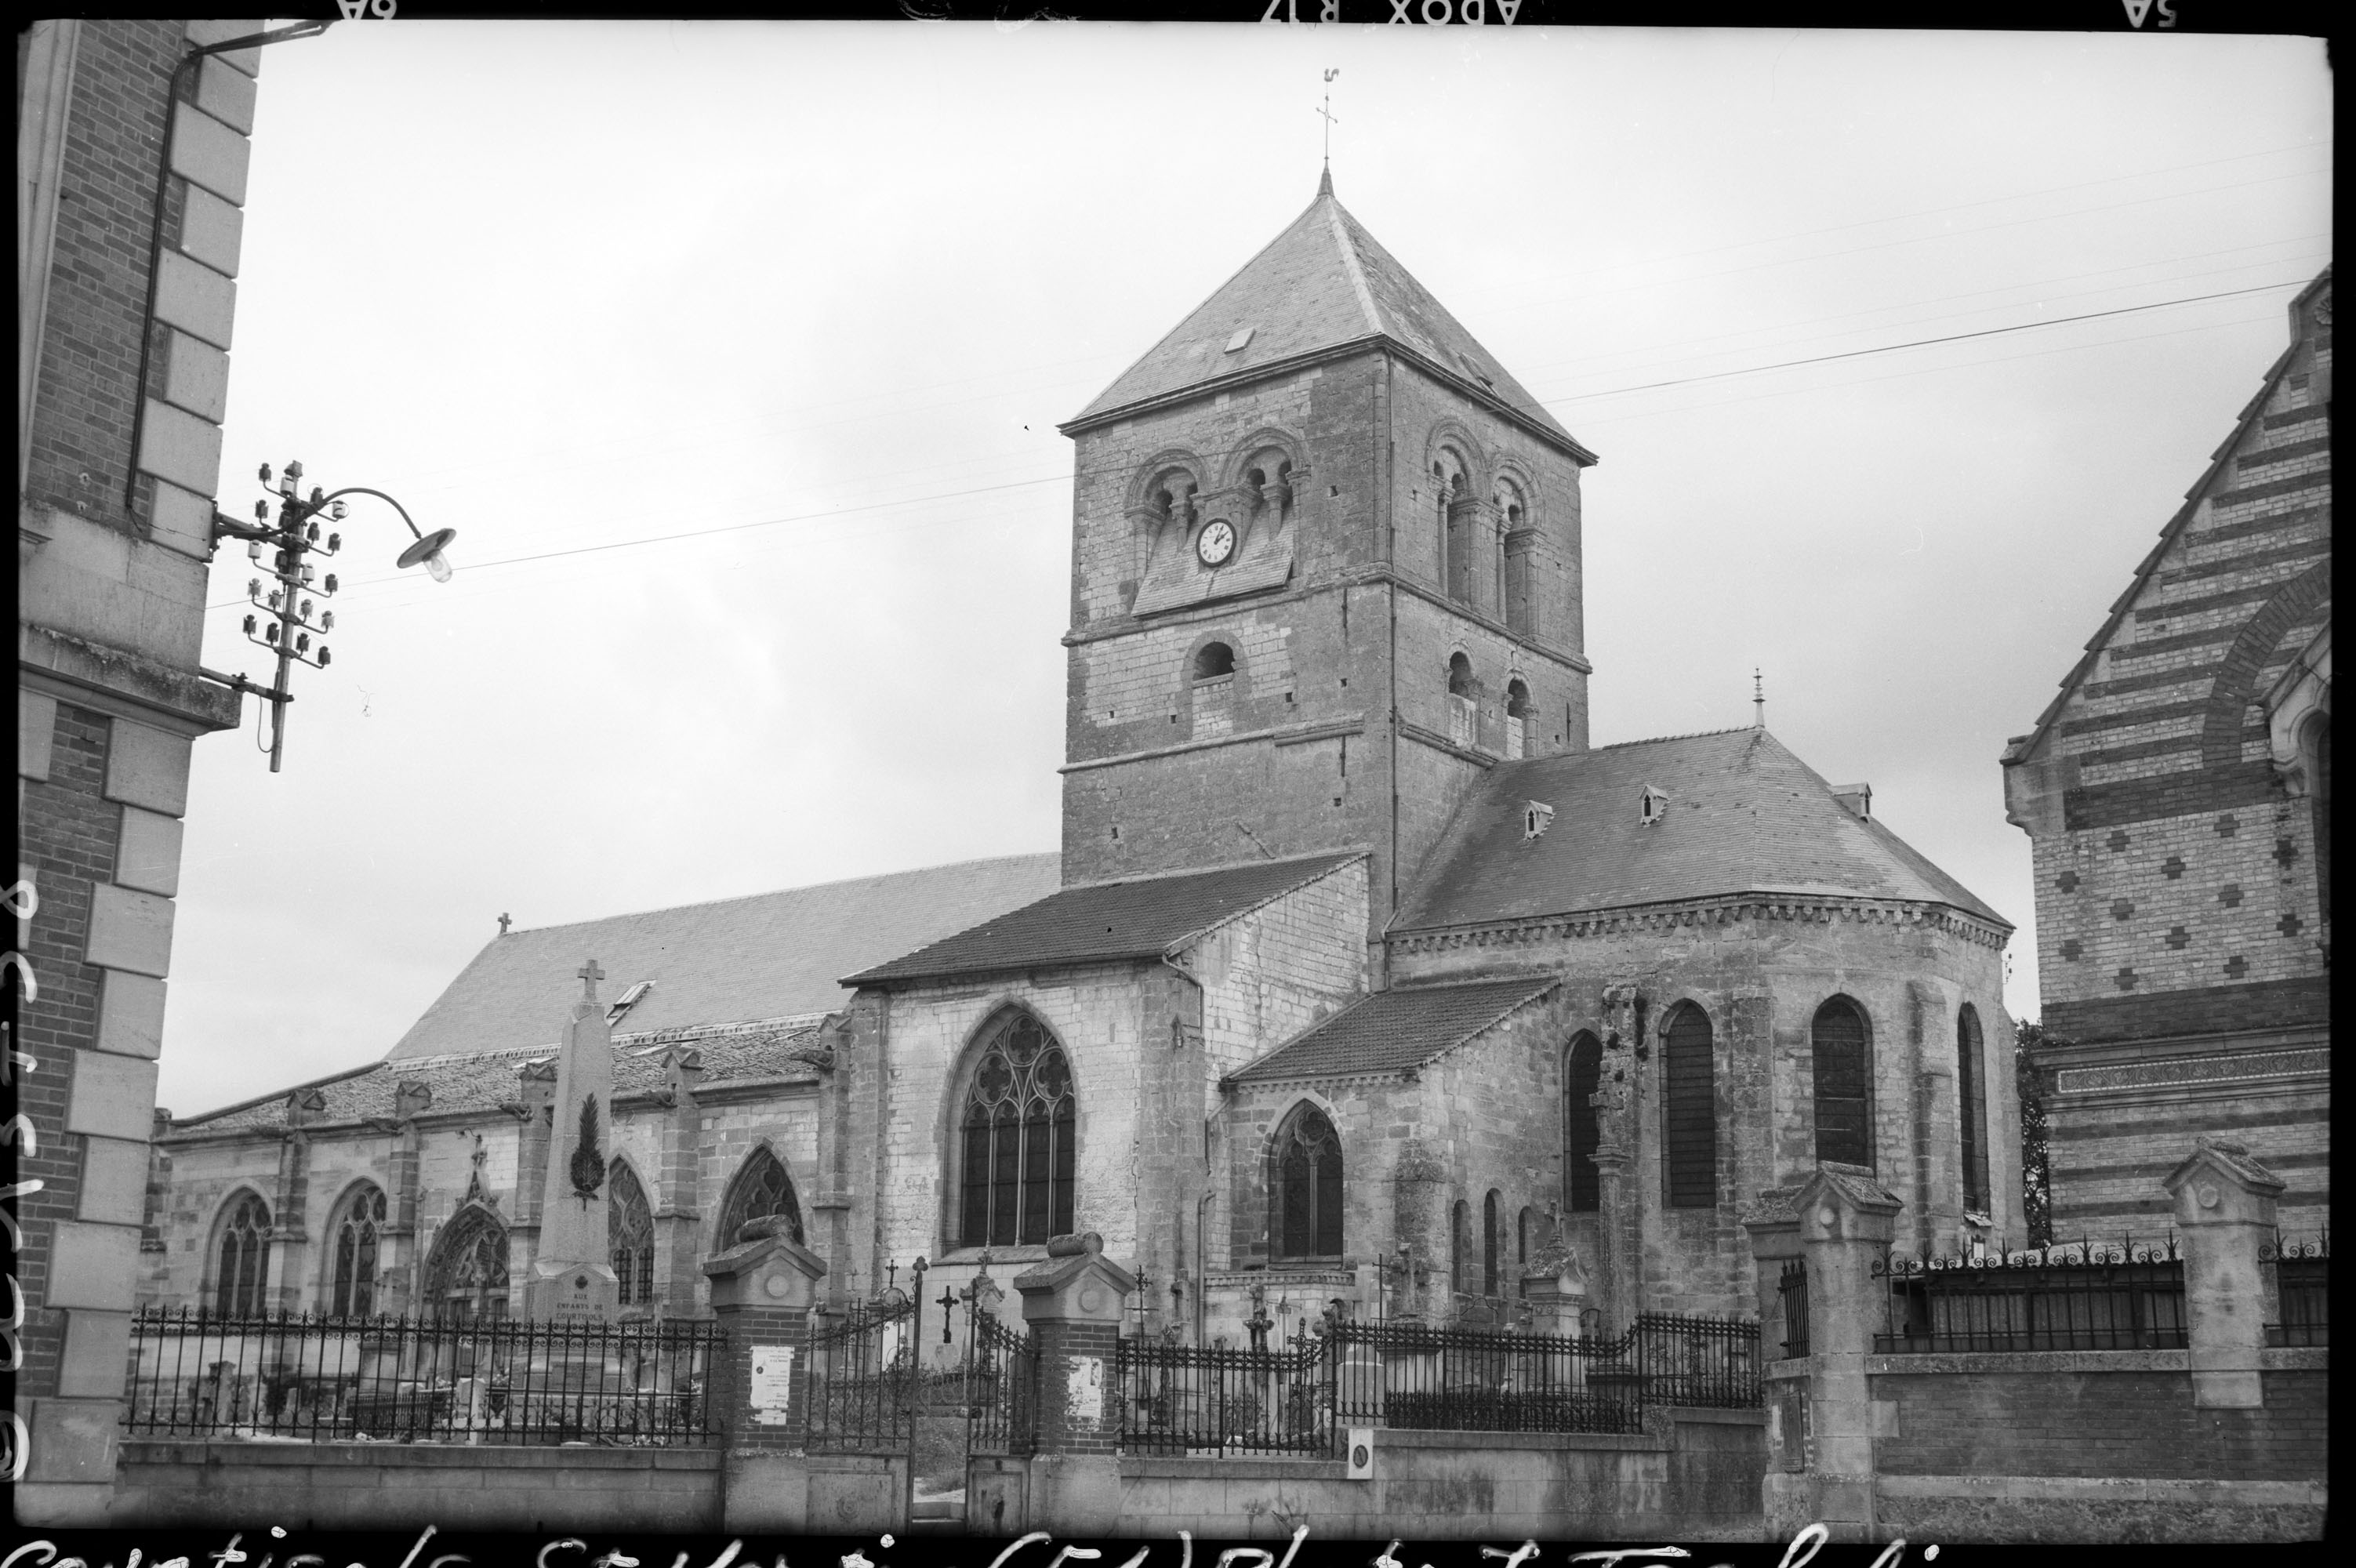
column 408, row 1380
column 1792, row 1295
column 2302, row 1289
column 2079, row 1296
column 1687, row 1360
column 1001, row 1364
column 864, row 1383
column 1411, row 1375
column 1208, row 1399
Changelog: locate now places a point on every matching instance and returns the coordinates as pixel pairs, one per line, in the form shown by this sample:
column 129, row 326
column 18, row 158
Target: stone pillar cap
column 748, row 1256
column 1836, row 1197
column 2227, row 1159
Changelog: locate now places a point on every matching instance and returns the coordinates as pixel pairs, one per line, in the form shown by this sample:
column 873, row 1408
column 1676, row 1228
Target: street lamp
column 284, row 623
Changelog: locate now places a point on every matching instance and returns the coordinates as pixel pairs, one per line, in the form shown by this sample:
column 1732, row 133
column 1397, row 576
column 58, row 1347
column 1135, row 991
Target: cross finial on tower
column 590, row 975
column 1758, row 700
column 504, row 920
column 1325, row 179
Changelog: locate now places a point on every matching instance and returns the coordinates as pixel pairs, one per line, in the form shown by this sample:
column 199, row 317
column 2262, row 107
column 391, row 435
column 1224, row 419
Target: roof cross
column 1327, row 110
column 590, row 975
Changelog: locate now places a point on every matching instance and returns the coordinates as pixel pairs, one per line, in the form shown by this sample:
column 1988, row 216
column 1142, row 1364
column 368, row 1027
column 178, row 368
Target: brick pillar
column 1073, row 1304
column 2226, row 1207
column 1846, row 1223
column 761, row 1293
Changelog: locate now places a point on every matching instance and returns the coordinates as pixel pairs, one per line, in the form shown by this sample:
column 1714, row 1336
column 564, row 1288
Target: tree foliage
column 2034, row 1081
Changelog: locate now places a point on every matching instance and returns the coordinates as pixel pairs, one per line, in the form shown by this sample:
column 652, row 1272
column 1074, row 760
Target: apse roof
column 1393, row 1030
column 1743, row 815
column 1143, row 917
column 1321, row 284
column 773, row 955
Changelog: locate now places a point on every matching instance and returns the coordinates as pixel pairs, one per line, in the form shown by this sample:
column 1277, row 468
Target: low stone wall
column 388, row 1486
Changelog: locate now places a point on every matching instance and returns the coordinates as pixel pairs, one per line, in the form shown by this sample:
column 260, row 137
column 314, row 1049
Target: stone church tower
column 1325, row 570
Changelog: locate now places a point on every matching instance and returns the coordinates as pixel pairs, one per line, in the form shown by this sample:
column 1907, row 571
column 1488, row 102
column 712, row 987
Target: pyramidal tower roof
column 1323, row 285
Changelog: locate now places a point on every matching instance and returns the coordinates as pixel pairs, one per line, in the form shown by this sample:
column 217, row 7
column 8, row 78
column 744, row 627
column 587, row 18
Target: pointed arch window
column 629, row 1235
column 1307, row 1222
column 242, row 1258
column 1583, row 1189
column 1460, row 1247
column 358, row 1232
column 466, row 1277
column 1843, row 1057
column 1493, row 1223
column 761, row 1189
column 1971, row 1088
column 1689, row 1108
column 1020, row 1153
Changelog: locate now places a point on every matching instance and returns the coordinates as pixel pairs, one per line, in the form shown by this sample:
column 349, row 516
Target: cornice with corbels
column 1709, row 912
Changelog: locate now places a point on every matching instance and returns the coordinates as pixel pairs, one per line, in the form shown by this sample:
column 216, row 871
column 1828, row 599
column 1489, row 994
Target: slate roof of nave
column 1323, row 283
column 1744, row 815
column 485, row 1081
column 1143, row 917
column 770, row 956
column 1391, row 1031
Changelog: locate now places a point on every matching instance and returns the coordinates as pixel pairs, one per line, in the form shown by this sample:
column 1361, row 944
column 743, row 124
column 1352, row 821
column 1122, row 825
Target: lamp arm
column 363, row 490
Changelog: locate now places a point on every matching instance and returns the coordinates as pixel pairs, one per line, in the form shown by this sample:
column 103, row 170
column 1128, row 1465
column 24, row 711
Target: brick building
column 124, row 324
column 1367, row 978
column 2176, row 794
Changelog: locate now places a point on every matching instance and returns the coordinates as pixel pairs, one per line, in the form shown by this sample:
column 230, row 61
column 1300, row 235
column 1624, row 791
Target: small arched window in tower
column 1518, row 725
column 1016, row 1183
column 467, row 1275
column 1459, row 515
column 1463, row 706
column 1842, row 1059
column 1971, row 1088
column 242, row 1258
column 1689, row 1108
column 1460, row 1247
column 761, row 1189
column 629, row 1235
column 1308, row 1186
column 1582, row 1188
column 1213, row 661
column 359, row 1229
column 1493, row 1225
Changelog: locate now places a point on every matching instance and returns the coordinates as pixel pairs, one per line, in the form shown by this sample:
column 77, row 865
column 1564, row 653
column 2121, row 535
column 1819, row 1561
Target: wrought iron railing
column 409, row 1379
column 1792, row 1295
column 1002, row 1365
column 1208, row 1399
column 2302, row 1289
column 864, row 1378
column 1687, row 1360
column 2084, row 1295
column 1411, row 1375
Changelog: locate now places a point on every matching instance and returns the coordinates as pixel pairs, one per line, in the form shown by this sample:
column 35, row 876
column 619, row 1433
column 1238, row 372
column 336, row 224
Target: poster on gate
column 771, row 1397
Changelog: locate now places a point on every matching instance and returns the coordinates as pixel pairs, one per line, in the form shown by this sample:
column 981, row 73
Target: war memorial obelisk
column 572, row 1278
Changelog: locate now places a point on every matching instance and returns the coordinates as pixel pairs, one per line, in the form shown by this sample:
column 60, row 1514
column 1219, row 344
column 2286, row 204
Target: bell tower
column 1325, row 573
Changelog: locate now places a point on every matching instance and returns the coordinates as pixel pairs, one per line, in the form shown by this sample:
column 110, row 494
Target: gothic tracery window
column 466, row 1277
column 1844, row 1097
column 761, row 1189
column 630, row 1235
column 1308, row 1186
column 1020, row 1153
column 359, row 1230
column 242, row 1258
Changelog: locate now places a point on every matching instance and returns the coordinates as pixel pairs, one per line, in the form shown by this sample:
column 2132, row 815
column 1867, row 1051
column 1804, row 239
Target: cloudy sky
column 734, row 353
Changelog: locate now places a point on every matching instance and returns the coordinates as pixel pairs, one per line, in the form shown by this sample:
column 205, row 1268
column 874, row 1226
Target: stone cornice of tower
column 1723, row 911
column 1371, row 343
column 1356, row 577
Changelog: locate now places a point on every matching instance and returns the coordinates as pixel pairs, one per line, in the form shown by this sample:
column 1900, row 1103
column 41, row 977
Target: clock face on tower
column 1216, row 542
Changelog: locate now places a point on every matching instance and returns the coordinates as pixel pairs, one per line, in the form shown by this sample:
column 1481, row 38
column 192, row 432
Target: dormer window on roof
column 628, row 1000
column 1653, row 806
column 1537, row 817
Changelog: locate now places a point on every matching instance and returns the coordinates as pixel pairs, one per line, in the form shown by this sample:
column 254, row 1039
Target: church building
column 1362, row 982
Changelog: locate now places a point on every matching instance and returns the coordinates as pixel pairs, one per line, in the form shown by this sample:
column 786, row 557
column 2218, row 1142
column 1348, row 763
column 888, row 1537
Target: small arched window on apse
column 1463, row 705
column 1212, row 662
column 1971, row 1091
column 1019, row 1137
column 1689, row 1107
column 1843, row 1057
column 1520, row 723
column 629, row 1235
column 242, row 1258
column 1460, row 1248
column 1306, row 1194
column 1522, row 1227
column 761, row 1189
column 1582, row 1188
column 357, row 1233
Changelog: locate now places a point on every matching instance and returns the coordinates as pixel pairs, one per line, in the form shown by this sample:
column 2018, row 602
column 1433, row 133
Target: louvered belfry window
column 629, row 1235
column 243, row 1276
column 1020, row 1153
column 1584, row 1191
column 357, row 1233
column 1308, row 1186
column 1843, row 1079
column 1689, row 1093
column 1971, row 1086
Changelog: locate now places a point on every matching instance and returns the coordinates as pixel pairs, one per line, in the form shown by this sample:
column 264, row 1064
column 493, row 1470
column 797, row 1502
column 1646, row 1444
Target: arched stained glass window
column 241, row 1277
column 630, row 1235
column 1689, row 1093
column 1016, row 1176
column 359, row 1229
column 1583, row 1191
column 761, row 1189
column 1308, row 1187
column 1843, row 1084
column 1971, row 1088
column 467, row 1275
